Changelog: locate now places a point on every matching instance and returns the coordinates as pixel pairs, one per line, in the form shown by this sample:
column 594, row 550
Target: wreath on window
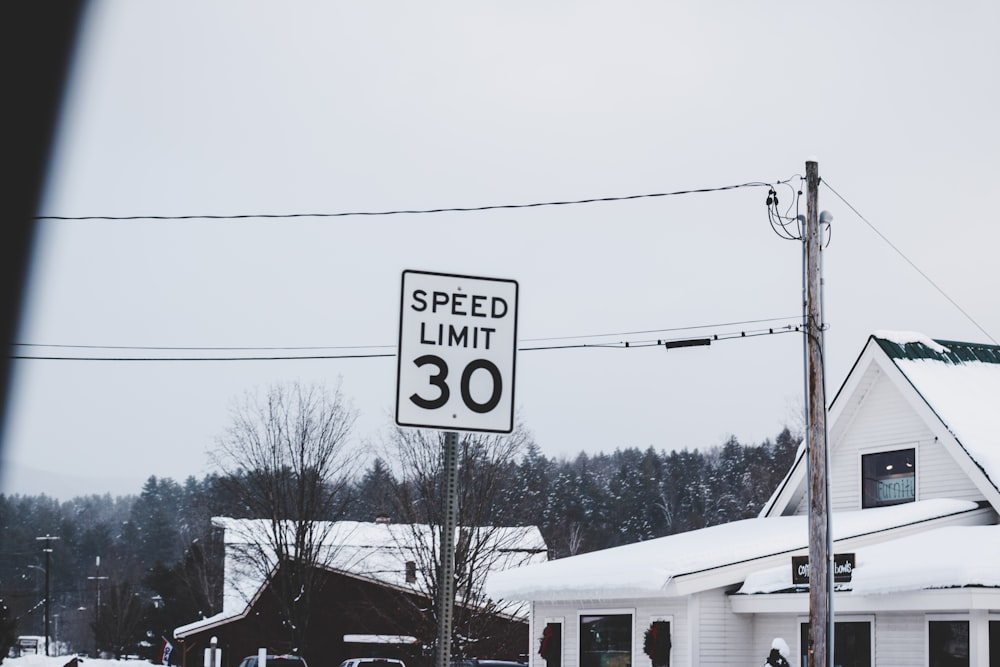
column 549, row 647
column 656, row 643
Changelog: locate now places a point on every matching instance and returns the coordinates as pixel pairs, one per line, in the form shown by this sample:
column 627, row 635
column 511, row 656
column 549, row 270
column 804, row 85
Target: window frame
column 887, row 449
column 606, row 611
column 846, row 618
column 929, row 618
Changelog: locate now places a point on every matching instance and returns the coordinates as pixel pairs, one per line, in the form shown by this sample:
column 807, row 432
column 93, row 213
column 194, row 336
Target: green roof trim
column 957, row 352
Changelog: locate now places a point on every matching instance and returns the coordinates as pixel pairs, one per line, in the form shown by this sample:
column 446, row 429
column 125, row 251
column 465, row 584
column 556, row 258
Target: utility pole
column 48, row 552
column 820, row 556
column 446, row 579
column 97, row 611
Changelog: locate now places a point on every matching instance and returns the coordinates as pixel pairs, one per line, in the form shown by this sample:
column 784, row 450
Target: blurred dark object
column 38, row 40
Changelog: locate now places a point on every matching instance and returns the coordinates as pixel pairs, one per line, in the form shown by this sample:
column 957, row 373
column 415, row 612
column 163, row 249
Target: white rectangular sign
column 457, row 348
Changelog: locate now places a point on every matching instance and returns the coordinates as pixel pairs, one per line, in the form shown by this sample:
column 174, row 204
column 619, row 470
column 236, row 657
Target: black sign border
column 399, row 349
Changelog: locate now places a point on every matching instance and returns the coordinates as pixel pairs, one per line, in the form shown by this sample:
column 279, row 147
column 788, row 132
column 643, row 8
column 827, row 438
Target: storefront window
column 606, row 640
column 889, row 478
column 948, row 643
column 852, row 644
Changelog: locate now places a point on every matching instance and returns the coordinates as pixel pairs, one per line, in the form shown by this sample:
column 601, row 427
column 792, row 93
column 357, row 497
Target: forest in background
column 151, row 562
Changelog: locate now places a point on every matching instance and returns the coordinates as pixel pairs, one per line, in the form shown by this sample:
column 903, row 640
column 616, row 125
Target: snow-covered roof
column 953, row 386
column 375, row 552
column 647, row 568
column 961, row 383
column 916, row 562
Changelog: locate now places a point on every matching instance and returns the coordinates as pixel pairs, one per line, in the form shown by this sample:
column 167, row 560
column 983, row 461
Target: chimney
column 411, row 572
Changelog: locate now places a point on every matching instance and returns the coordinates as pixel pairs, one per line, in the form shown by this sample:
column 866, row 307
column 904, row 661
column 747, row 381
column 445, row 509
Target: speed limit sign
column 457, row 348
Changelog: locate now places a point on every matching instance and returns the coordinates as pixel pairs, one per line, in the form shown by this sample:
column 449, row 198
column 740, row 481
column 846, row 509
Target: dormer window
column 889, row 478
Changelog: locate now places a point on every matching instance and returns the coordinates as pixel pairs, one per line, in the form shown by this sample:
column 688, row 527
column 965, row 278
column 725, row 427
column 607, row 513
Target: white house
column 914, row 440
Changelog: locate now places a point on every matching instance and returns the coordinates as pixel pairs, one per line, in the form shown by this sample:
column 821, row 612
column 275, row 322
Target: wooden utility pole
column 48, row 565
column 820, row 570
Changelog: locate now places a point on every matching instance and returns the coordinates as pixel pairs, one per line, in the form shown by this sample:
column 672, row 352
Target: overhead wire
column 912, row 264
column 426, row 211
column 229, row 348
column 634, row 344
column 782, row 222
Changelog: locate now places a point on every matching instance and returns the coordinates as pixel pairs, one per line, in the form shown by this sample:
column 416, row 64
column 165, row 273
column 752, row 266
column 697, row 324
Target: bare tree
column 285, row 460
column 486, row 462
column 117, row 627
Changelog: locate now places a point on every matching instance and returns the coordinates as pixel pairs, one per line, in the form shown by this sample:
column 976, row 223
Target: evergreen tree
column 8, row 630
column 156, row 520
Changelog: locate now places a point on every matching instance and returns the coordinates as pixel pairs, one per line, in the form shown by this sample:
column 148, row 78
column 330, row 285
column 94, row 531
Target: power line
column 634, row 344
column 672, row 343
column 450, row 209
column 670, row 330
column 164, row 348
column 229, row 348
column 312, row 357
column 911, row 263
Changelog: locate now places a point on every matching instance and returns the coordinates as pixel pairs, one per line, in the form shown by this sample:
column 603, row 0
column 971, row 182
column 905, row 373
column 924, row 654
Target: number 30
column 439, row 380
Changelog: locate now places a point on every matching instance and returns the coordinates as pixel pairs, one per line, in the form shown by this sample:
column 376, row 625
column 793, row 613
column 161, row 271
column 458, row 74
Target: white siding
column 677, row 610
column 644, row 610
column 725, row 638
column 886, row 421
column 899, row 640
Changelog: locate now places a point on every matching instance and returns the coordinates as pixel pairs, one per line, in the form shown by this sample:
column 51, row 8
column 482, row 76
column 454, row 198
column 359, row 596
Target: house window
column 889, row 478
column 948, row 643
column 852, row 644
column 606, row 640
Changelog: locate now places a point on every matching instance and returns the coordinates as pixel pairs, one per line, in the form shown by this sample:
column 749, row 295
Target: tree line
column 126, row 570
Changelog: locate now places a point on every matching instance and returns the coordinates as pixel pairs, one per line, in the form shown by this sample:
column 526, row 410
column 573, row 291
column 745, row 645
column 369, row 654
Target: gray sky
column 218, row 108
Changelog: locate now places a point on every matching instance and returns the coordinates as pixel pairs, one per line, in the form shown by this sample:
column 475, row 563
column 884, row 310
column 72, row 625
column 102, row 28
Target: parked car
column 285, row 660
column 477, row 662
column 371, row 662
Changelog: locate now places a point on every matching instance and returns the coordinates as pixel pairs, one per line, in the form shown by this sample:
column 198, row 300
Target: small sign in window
column 889, row 478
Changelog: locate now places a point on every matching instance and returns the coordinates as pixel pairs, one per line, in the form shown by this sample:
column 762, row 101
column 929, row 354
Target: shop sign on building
column 843, row 566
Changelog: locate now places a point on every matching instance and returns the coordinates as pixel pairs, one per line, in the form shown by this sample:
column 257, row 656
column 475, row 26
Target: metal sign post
column 455, row 371
column 446, row 582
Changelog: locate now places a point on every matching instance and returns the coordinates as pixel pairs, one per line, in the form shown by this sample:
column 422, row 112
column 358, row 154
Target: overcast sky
column 199, row 107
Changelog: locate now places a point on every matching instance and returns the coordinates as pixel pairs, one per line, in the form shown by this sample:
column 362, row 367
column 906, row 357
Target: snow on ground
column 60, row 661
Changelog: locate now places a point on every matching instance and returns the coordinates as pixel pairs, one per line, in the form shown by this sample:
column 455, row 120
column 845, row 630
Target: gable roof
column 961, row 383
column 953, row 386
column 374, row 552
